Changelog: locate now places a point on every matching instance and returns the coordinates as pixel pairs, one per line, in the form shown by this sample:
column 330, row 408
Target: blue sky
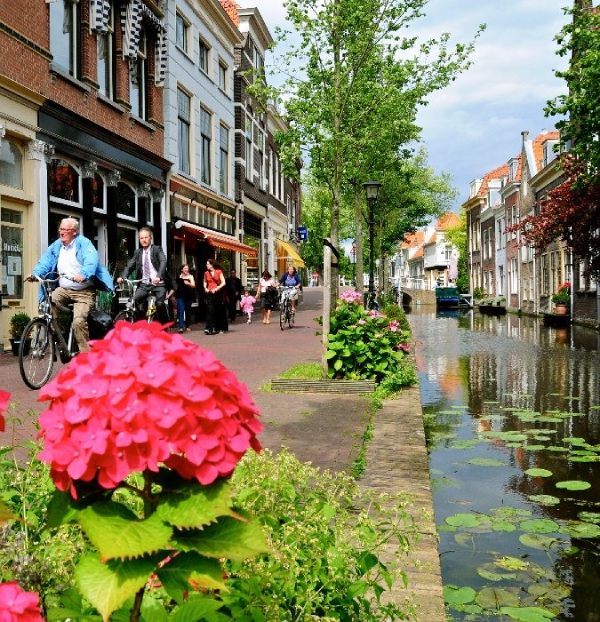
column 475, row 124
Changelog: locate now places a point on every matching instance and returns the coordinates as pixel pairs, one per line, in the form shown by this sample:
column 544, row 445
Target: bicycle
column 287, row 315
column 43, row 339
column 130, row 313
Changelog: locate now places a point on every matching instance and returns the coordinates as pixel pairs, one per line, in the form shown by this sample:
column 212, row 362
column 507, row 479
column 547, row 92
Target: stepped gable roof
column 231, row 8
column 497, row 173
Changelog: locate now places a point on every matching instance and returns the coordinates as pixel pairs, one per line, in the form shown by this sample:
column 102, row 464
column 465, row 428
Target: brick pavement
column 324, row 429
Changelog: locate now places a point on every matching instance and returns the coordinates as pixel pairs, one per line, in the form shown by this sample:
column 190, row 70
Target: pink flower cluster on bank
column 4, row 399
column 351, row 296
column 17, row 605
column 142, row 398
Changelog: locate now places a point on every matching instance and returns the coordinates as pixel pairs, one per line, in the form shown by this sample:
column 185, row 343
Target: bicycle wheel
column 282, row 313
column 36, row 363
column 126, row 316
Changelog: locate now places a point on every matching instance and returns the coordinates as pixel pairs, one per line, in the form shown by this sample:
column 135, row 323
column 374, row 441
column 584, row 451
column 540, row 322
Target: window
column 223, row 159
column 205, row 140
column 183, row 137
column 106, row 59
column 181, row 32
column 259, row 163
column 11, row 163
column 204, row 56
column 63, row 182
column 138, row 71
column 94, row 194
column 64, row 35
column 12, row 232
column 126, row 202
column 248, row 151
column 222, row 76
column 257, row 61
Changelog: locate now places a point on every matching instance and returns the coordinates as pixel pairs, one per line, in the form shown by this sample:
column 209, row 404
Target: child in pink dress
column 247, row 303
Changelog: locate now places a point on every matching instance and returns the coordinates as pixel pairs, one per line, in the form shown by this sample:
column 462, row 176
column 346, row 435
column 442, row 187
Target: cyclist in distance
column 291, row 278
column 75, row 259
column 150, row 263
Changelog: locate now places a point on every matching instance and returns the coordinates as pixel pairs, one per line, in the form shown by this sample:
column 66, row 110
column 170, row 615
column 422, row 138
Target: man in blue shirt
column 75, row 259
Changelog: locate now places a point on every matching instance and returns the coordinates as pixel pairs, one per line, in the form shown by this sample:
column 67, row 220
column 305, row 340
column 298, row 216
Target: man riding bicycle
column 291, row 280
column 150, row 264
column 75, row 259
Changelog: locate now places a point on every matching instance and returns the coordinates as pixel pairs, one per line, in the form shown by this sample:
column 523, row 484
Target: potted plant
column 561, row 299
column 17, row 324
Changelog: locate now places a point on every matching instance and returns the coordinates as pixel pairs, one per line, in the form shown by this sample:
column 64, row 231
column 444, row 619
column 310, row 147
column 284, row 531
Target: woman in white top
column 266, row 292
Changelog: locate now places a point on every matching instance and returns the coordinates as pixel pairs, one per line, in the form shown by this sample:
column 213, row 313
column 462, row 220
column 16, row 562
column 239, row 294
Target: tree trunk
column 359, row 266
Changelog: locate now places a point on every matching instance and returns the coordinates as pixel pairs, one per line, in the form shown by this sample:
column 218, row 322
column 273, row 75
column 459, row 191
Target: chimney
column 525, row 135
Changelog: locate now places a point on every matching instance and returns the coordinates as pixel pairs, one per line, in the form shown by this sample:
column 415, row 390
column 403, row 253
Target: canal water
column 512, row 413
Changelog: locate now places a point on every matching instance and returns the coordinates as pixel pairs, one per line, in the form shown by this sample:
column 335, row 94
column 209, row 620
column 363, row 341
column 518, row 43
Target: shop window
column 94, row 194
column 126, row 202
column 11, row 163
column 11, row 228
column 128, row 238
column 63, row 182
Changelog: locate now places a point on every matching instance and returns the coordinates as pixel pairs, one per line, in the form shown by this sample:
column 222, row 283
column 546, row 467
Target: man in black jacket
column 150, row 263
column 234, row 289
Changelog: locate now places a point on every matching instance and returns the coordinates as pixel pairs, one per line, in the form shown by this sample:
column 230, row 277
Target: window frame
column 204, row 54
column 181, row 122
column 139, row 108
column 205, row 146
column 17, row 149
column 73, row 36
column 223, row 158
column 180, row 20
column 110, row 63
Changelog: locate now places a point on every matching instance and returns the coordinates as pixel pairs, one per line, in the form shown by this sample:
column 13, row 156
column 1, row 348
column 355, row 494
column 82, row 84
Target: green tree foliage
column 457, row 236
column 354, row 104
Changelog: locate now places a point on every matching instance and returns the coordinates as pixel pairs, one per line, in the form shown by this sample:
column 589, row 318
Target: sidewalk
column 324, row 429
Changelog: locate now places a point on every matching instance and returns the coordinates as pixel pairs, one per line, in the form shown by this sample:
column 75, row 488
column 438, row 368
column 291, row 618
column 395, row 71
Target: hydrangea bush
column 158, row 417
column 365, row 344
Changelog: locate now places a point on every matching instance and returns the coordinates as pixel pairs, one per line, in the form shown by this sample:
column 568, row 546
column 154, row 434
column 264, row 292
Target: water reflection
column 502, row 396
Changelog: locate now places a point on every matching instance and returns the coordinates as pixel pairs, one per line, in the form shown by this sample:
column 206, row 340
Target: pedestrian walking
column 266, row 292
column 185, row 294
column 247, row 303
column 234, row 289
column 214, row 286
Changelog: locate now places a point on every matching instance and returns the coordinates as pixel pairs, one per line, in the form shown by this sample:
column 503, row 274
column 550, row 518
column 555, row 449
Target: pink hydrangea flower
column 351, row 296
column 393, row 326
column 17, row 605
column 4, row 399
column 404, row 347
column 375, row 314
column 142, row 398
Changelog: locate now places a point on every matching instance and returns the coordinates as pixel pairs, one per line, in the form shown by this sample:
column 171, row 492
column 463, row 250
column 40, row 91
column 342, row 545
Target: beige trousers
column 83, row 302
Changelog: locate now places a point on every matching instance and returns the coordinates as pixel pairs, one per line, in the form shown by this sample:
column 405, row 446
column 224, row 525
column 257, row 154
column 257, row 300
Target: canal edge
column 397, row 461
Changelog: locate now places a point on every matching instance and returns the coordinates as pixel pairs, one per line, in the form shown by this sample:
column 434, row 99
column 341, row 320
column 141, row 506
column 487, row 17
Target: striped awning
column 216, row 238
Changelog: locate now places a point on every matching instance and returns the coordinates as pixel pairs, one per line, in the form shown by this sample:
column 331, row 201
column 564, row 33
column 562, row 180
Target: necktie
column 146, row 265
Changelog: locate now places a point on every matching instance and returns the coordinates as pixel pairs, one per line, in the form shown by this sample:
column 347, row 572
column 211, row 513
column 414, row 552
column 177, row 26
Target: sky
column 475, row 124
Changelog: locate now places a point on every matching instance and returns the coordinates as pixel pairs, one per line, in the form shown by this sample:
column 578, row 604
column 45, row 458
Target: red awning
column 218, row 239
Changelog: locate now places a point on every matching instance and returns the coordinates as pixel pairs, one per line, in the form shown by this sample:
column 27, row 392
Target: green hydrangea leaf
column 198, row 608
column 118, row 533
column 61, row 509
column 195, row 505
column 108, row 586
column 228, row 538
column 190, row 572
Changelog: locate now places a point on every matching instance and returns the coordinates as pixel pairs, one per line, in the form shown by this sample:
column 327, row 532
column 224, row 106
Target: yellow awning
column 286, row 251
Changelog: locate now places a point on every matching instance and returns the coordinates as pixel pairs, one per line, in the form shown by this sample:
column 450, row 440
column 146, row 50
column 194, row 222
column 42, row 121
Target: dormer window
column 512, row 169
column 550, row 151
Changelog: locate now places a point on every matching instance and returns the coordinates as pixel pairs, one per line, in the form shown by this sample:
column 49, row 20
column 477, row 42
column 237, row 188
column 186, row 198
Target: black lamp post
column 372, row 191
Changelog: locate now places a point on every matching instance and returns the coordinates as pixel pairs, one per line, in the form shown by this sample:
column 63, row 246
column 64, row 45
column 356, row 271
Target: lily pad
column 491, row 462
column 454, row 595
column 582, row 530
column 464, row 520
column 539, row 525
column 538, row 472
column 573, row 484
column 512, row 563
column 527, row 614
column 494, row 598
column 544, row 499
column 536, row 541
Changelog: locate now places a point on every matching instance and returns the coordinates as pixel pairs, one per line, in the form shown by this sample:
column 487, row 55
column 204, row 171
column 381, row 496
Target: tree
column 571, row 212
column 457, row 236
column 360, row 75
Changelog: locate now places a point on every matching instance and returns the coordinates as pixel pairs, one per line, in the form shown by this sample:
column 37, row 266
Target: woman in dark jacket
column 185, row 294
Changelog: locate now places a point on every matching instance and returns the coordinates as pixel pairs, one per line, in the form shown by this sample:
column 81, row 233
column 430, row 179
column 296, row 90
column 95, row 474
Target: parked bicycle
column 43, row 340
column 130, row 313
column 287, row 315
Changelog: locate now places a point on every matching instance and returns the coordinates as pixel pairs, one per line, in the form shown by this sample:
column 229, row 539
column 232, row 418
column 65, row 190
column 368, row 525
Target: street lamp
column 372, row 192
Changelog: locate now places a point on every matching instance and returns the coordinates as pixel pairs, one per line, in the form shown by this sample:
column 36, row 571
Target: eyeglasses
column 63, row 229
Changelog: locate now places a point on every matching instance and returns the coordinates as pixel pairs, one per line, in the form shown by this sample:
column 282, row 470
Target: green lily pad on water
column 464, row 443
column 575, row 440
column 538, row 472
column 494, row 598
column 544, row 499
column 454, row 595
column 512, row 563
column 539, row 525
column 590, row 517
column 536, row 541
column 582, row 530
column 534, row 447
column 491, row 462
column 574, row 484
column 527, row 614
column 586, row 458
column 464, row 520
column 563, row 450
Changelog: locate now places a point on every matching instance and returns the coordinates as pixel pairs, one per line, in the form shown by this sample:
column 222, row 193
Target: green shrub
column 326, row 538
column 364, row 345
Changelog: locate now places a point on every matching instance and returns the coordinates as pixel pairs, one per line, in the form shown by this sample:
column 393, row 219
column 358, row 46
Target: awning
column 218, row 239
column 286, row 251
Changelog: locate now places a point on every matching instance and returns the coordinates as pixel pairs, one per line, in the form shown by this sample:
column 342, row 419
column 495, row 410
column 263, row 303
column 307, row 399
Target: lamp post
column 372, row 192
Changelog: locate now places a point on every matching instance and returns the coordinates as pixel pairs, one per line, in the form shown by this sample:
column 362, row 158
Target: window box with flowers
column 561, row 299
